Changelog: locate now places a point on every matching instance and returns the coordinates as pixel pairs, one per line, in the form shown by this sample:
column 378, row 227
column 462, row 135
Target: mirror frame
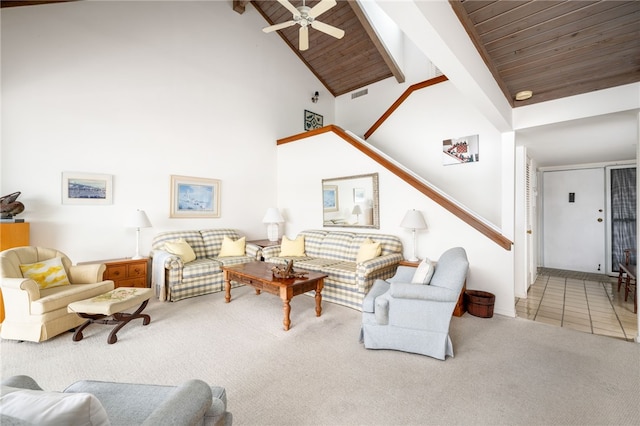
column 331, row 189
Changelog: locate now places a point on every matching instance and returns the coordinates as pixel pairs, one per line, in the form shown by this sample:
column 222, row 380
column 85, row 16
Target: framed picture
column 312, row 120
column 460, row 150
column 358, row 195
column 87, row 188
column 193, row 197
column 330, row 198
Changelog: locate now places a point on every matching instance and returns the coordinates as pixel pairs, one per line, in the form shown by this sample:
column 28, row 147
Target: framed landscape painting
column 193, row 197
column 87, row 188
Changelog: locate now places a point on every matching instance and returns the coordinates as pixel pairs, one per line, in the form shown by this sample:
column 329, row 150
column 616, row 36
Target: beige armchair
column 36, row 314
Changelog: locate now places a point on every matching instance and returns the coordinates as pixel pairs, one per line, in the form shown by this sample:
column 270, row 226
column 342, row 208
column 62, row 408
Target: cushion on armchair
column 47, row 273
column 424, row 272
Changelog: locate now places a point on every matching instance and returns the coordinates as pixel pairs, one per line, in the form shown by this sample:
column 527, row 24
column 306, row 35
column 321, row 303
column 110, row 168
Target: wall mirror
column 351, row 201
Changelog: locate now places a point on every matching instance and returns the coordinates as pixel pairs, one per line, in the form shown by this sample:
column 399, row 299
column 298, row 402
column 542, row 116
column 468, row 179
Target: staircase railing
column 412, row 179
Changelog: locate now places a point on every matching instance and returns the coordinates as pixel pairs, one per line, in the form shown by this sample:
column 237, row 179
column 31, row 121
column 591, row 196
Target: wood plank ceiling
column 555, row 48
column 342, row 65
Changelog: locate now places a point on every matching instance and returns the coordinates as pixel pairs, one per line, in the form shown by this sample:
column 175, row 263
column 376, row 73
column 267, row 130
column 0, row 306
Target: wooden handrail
column 452, row 207
column 401, row 99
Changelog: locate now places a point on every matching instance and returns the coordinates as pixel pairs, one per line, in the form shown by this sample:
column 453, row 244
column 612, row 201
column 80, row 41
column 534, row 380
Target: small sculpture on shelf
column 9, row 207
column 287, row 271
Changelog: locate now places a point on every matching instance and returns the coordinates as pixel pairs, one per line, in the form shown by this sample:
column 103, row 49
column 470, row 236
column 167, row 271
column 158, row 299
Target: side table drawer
column 137, row 270
column 115, row 272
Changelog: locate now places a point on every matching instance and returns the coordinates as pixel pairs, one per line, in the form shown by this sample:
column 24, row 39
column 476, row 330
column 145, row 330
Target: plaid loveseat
column 174, row 280
column 334, row 253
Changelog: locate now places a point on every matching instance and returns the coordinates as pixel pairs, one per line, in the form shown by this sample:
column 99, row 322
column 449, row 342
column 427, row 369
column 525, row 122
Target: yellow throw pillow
column 49, row 273
column 181, row 248
column 232, row 248
column 368, row 250
column 292, row 247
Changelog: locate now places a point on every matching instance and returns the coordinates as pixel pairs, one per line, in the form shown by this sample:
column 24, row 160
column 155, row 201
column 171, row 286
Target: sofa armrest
column 270, row 251
column 422, row 292
column 381, row 267
column 170, row 261
column 253, row 251
column 186, row 405
column 87, row 274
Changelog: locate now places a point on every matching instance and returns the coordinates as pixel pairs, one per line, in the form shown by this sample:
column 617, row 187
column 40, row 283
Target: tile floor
column 580, row 301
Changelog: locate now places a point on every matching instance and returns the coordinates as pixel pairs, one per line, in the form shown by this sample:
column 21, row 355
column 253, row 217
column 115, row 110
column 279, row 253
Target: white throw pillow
column 54, row 408
column 424, row 272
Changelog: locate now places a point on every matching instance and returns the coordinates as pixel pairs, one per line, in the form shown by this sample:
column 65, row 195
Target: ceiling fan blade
column 328, row 29
column 303, row 35
column 277, row 27
column 289, row 6
column 321, row 7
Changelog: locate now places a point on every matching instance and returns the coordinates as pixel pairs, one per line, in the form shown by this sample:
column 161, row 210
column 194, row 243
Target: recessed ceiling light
column 524, row 95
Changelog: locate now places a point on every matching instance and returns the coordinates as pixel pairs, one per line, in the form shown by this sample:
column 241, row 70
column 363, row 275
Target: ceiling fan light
column 523, row 95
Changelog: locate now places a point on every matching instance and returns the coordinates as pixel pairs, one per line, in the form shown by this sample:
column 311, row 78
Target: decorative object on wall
column 305, row 16
column 341, row 195
column 9, row 207
column 193, row 197
column 312, row 120
column 87, row 188
column 138, row 219
column 460, row 150
column 315, row 96
column 330, row 198
column 273, row 217
column 413, row 220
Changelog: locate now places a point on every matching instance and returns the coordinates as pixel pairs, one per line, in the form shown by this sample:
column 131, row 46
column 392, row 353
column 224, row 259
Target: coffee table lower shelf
column 259, row 276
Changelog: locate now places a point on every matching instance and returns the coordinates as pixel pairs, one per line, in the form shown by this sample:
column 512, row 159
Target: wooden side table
column 265, row 243
column 459, row 310
column 12, row 234
column 127, row 272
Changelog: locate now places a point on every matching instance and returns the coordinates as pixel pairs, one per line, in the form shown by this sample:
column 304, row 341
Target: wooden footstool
column 99, row 309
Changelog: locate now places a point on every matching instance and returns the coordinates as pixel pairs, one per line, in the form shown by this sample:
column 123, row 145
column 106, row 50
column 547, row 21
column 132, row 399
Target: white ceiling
column 606, row 138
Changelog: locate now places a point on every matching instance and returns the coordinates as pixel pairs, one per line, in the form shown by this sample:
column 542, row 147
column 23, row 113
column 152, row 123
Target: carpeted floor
column 505, row 371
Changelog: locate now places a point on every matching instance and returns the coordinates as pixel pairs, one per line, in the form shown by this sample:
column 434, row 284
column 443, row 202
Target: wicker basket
column 479, row 303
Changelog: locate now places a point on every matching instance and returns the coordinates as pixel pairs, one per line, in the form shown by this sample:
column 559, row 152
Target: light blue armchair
column 399, row 315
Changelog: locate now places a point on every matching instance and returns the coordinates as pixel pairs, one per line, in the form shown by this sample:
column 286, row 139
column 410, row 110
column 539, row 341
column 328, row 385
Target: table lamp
column 413, row 220
column 273, row 218
column 138, row 220
column 357, row 211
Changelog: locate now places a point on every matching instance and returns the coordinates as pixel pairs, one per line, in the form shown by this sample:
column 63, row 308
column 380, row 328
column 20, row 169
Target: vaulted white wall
column 141, row 91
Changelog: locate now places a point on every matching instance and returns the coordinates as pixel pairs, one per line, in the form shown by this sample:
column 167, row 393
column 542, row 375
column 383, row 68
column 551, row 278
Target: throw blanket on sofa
column 158, row 275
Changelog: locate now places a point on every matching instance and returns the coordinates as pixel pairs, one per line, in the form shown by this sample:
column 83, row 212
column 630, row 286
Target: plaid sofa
column 334, row 253
column 203, row 275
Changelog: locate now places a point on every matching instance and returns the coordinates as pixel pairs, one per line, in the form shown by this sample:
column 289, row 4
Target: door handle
column 529, row 231
column 599, row 219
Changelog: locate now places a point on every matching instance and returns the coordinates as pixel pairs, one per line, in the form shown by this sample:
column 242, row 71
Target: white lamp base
column 272, row 232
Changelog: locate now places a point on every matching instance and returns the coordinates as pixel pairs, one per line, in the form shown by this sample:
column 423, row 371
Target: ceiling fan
column 305, row 16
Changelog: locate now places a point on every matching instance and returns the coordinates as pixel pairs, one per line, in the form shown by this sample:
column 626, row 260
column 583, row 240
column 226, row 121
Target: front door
column 574, row 220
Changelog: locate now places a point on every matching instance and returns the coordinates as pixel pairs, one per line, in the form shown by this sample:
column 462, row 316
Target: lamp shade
column 413, row 220
column 356, row 209
column 139, row 219
column 272, row 216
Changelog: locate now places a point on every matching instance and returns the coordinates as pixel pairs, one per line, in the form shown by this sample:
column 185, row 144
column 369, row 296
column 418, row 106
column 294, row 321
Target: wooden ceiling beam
column 373, row 35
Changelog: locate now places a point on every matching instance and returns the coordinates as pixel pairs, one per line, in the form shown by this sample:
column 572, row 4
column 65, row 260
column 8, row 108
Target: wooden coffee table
column 259, row 276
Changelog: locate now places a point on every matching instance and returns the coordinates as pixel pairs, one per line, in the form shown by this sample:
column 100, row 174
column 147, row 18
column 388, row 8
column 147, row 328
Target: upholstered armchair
column 193, row 402
column 414, row 317
column 37, row 285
